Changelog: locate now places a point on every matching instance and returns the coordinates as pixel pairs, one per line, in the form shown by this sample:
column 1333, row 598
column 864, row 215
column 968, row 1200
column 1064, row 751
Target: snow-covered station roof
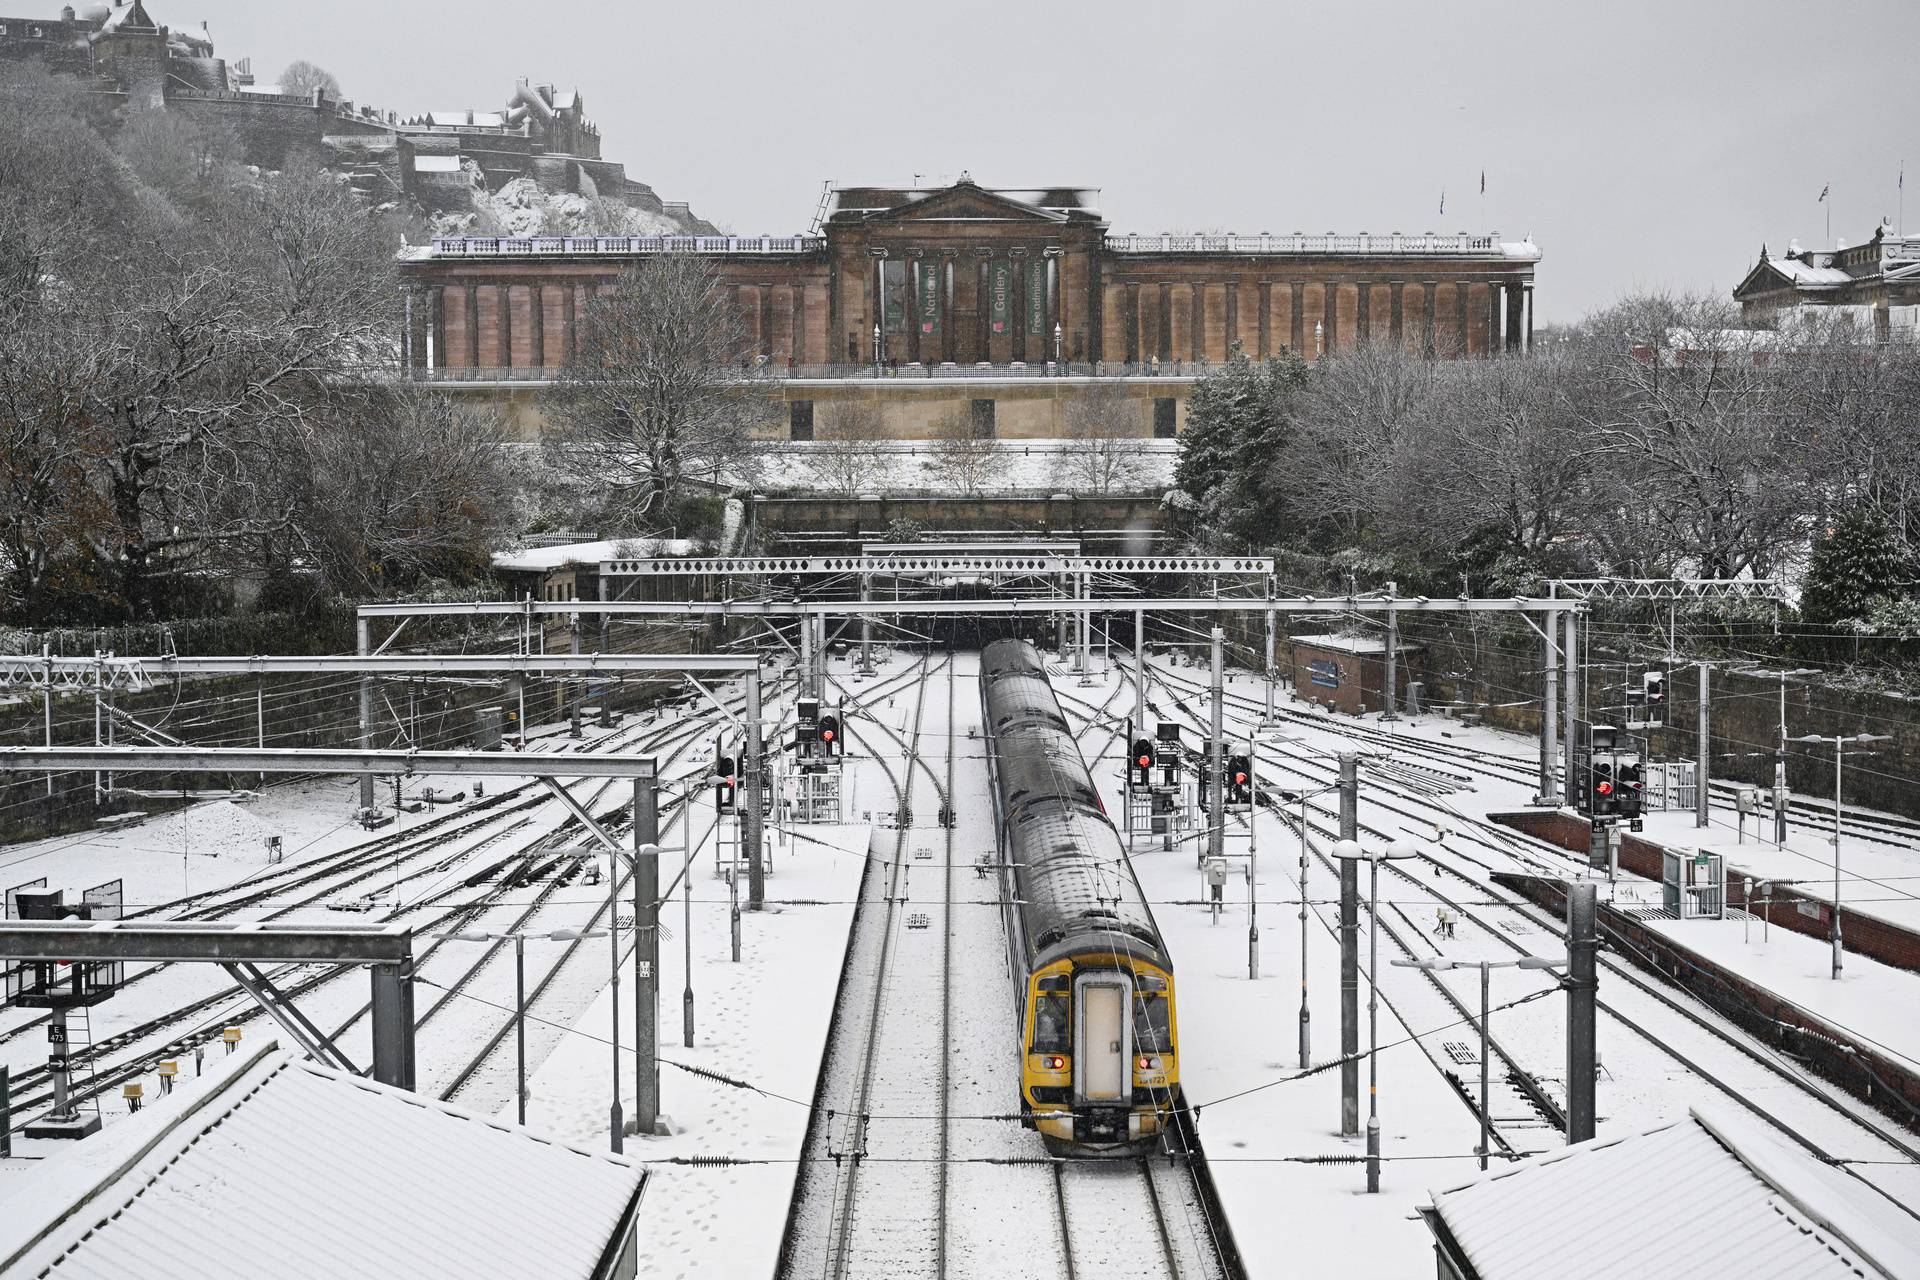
column 1712, row 1197
column 275, row 1166
column 559, row 556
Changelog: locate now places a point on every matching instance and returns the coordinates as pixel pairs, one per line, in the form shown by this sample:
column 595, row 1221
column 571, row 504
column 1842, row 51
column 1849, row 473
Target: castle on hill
column 537, row 146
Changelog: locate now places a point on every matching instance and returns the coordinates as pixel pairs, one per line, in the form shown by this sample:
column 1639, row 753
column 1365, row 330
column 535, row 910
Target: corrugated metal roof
column 1674, row 1201
column 302, row 1172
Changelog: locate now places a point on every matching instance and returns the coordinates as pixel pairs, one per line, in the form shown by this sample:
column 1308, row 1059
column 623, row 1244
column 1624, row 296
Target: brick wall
column 1784, row 907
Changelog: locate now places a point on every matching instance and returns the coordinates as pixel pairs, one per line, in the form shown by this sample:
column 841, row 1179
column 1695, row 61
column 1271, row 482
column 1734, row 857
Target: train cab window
column 1152, row 1024
column 1053, row 1019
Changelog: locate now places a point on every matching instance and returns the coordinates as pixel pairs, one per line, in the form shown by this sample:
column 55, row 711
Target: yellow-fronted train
column 1098, row 1039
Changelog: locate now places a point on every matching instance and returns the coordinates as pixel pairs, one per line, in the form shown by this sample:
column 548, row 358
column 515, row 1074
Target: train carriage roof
column 1076, row 887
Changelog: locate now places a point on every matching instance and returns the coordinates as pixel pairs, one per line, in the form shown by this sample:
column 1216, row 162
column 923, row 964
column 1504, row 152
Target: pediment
column 1764, row 278
column 968, row 203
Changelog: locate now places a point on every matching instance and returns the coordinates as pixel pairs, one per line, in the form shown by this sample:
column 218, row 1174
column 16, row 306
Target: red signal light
column 826, row 735
column 1144, row 761
column 1604, row 788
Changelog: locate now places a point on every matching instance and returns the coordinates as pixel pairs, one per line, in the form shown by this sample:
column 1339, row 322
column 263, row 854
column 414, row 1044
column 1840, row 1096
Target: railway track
column 863, row 1206
column 833, row 1230
column 161, row 1036
column 1888, row 830
column 1670, row 1041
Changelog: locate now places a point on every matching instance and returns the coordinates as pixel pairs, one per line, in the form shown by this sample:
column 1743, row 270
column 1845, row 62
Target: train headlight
column 1149, row 1064
column 1054, row 1062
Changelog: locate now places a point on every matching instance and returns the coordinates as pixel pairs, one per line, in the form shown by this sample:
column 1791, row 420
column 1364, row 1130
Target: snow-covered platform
column 762, row 1022
column 1791, row 884
column 269, row 1165
column 1713, row 1195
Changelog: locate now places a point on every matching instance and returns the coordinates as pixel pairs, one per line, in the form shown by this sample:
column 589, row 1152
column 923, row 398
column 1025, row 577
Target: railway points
column 849, row 1098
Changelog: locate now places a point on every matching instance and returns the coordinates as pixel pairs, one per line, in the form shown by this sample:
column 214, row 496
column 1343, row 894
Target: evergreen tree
column 1237, row 421
column 1859, row 562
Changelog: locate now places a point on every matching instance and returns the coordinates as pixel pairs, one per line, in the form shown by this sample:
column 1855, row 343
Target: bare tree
column 964, row 458
column 47, row 449
column 1503, row 453
column 1700, row 468
column 841, row 458
column 301, row 78
column 656, row 392
column 1348, row 460
column 1105, row 453
column 397, row 488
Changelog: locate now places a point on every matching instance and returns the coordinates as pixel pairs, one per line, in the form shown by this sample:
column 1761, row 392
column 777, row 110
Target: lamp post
column 1486, row 968
column 1780, row 751
column 1253, row 862
column 519, row 941
column 1306, row 1015
column 1352, row 850
column 1840, row 744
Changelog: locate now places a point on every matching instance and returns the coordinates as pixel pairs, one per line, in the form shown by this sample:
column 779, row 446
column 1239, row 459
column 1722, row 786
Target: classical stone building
column 1877, row 283
column 953, row 298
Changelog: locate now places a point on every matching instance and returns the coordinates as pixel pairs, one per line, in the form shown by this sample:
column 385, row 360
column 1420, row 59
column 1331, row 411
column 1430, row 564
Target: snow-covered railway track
column 1103, row 1204
column 887, row 1075
column 1675, row 1050
column 129, row 1053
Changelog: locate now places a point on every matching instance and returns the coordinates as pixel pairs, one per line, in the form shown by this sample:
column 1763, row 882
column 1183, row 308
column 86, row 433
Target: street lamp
column 1485, row 967
column 1397, row 850
column 1840, row 743
column 519, row 941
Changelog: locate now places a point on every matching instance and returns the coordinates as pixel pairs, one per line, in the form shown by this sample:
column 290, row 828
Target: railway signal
column 1240, row 781
column 724, row 791
column 828, row 734
column 1630, row 794
column 1593, row 753
column 1140, row 764
column 1606, row 798
column 1653, row 692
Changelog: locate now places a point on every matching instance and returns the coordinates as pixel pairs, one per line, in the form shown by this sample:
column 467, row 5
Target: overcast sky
column 1642, row 143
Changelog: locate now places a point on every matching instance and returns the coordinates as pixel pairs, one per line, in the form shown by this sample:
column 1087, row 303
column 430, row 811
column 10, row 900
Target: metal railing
column 1165, row 371
column 1394, row 243
column 540, row 246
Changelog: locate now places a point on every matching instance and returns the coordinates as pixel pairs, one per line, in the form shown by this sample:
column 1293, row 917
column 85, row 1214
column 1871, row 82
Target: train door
column 1102, row 1028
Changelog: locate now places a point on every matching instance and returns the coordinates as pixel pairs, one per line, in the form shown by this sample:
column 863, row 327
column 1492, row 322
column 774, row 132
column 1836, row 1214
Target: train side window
column 1051, row 1020
column 1152, row 1025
